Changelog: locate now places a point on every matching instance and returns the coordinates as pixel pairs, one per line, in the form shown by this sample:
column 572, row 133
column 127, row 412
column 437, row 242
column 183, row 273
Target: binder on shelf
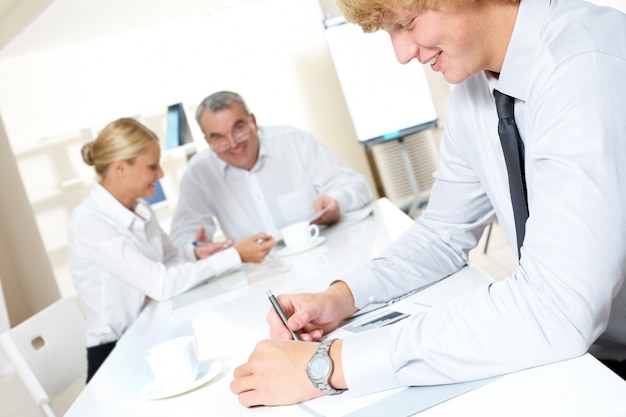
column 172, row 123
column 177, row 132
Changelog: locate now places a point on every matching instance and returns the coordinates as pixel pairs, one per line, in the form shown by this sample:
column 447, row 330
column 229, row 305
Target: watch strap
column 323, row 385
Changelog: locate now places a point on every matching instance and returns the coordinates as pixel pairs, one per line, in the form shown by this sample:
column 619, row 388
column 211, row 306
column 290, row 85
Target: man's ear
column 253, row 119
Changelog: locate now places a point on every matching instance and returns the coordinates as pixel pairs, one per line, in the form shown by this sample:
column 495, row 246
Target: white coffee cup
column 174, row 362
column 299, row 235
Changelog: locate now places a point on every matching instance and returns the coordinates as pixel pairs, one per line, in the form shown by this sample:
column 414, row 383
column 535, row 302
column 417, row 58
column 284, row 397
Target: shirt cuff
column 359, row 281
column 189, row 252
column 366, row 362
column 225, row 260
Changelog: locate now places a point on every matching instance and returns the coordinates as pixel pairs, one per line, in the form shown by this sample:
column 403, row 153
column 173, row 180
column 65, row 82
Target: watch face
column 319, row 367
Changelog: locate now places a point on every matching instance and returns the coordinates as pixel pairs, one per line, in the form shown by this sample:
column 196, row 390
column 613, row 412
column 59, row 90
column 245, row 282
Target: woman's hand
column 205, row 248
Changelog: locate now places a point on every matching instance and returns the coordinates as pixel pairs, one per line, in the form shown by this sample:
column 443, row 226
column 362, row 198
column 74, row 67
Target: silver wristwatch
column 320, row 369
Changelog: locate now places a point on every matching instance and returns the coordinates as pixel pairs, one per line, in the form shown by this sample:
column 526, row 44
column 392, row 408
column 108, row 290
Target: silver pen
column 281, row 313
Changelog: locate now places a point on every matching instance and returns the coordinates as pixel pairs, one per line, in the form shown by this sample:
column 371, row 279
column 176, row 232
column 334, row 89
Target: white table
column 227, row 316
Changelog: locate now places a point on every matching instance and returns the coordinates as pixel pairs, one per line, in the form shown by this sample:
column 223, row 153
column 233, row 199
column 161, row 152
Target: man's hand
column 255, row 247
column 312, row 315
column 332, row 214
column 275, row 374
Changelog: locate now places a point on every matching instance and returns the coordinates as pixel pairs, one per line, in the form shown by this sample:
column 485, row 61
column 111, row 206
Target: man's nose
column 404, row 48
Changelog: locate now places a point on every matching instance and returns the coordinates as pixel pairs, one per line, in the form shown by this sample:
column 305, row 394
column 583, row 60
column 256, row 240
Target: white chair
column 48, row 351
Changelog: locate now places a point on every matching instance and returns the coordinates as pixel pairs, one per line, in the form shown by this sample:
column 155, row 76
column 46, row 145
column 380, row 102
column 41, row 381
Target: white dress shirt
column 118, row 257
column 293, row 169
column 566, row 67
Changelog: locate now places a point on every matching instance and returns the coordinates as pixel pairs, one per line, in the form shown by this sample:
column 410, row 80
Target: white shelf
column 78, row 180
column 82, row 135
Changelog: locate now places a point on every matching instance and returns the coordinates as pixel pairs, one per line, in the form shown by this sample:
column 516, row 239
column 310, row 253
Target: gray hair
column 220, row 101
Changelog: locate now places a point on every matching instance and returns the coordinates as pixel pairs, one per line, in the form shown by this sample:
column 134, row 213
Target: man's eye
column 407, row 25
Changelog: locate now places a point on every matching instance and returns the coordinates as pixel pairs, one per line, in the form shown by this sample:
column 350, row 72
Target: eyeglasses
column 241, row 131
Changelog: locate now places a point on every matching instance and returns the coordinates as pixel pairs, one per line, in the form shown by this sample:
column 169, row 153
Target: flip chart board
column 386, row 100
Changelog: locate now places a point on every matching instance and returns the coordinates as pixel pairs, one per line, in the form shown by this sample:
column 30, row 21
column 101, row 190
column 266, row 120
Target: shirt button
column 371, row 298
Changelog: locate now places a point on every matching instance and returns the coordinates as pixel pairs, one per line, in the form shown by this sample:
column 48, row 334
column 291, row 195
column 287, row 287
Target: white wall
column 273, row 52
column 25, row 272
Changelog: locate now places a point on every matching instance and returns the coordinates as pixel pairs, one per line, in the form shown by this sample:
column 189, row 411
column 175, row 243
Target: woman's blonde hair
column 369, row 14
column 123, row 139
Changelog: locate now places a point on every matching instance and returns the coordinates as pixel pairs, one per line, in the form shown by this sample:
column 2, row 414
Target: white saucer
column 288, row 251
column 155, row 391
column 355, row 216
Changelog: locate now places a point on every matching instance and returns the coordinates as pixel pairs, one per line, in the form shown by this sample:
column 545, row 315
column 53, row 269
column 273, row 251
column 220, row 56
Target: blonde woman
column 118, row 254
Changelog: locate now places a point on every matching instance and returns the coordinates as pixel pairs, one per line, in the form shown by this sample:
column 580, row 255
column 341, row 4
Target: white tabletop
column 227, row 316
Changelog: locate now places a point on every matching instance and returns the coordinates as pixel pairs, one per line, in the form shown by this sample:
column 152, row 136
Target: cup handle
column 315, row 231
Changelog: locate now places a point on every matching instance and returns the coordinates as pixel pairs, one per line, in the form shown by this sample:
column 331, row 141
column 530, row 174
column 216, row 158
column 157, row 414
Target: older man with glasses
column 259, row 179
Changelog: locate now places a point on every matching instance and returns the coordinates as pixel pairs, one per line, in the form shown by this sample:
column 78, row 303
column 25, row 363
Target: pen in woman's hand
column 281, row 313
column 202, row 243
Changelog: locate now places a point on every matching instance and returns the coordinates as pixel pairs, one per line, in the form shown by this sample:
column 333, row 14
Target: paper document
column 379, row 318
column 398, row 402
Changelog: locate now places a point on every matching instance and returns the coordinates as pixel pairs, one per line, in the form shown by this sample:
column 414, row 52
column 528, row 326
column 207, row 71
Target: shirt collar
column 266, row 150
column 116, row 210
column 516, row 69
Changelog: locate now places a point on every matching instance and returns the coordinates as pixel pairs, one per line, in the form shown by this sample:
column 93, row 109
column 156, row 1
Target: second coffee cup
column 174, row 362
column 299, row 235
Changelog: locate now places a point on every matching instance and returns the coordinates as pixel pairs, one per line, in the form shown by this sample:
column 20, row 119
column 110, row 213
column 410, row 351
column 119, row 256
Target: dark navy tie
column 513, row 149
